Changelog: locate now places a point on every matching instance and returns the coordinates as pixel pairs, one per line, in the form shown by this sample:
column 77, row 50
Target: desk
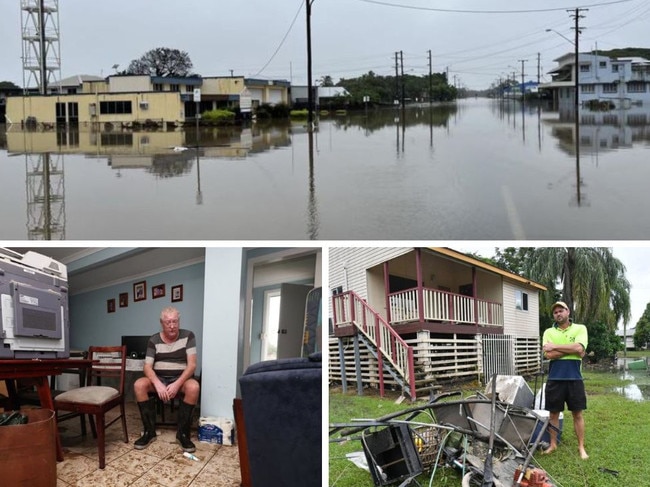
column 38, row 372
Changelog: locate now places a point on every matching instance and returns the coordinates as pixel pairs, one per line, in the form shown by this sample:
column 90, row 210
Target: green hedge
column 218, row 116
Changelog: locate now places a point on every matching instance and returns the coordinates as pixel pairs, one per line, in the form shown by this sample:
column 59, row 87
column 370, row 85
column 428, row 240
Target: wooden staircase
column 393, row 354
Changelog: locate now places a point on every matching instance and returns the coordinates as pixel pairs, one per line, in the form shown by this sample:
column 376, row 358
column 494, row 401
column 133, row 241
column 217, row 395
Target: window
column 610, row 88
column 521, row 300
column 585, row 68
column 189, row 89
column 636, row 87
column 615, row 68
column 117, row 107
column 602, row 64
column 157, row 87
column 271, row 324
column 174, row 87
column 587, row 89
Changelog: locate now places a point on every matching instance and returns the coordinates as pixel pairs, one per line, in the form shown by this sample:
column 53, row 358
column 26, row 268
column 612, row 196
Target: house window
column 174, row 87
column 157, row 87
column 636, row 87
column 189, row 89
column 615, row 68
column 521, row 300
column 610, row 88
column 602, row 64
column 585, row 68
column 337, row 290
column 587, row 89
column 117, row 107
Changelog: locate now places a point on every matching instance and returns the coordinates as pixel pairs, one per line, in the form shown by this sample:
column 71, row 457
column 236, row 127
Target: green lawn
column 617, row 438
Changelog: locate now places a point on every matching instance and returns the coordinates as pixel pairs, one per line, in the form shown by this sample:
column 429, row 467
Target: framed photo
column 158, row 291
column 124, row 300
column 110, row 305
column 140, row 291
column 177, row 293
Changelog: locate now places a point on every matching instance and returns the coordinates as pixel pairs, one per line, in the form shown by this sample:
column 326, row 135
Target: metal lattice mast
column 41, row 46
column 45, row 196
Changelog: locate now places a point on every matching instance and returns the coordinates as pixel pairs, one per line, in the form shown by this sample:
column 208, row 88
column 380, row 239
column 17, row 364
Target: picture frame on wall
column 110, row 305
column 158, row 291
column 177, row 293
column 124, row 300
column 139, row 291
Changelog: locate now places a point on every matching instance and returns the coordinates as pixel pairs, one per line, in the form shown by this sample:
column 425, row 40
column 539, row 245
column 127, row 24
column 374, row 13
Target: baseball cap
column 559, row 303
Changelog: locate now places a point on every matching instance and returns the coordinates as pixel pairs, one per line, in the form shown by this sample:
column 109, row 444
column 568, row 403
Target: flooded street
column 481, row 169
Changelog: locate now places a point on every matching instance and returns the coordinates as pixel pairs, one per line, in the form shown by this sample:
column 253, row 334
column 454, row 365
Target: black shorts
column 571, row 392
column 167, row 380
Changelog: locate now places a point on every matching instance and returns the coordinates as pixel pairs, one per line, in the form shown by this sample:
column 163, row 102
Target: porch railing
column 444, row 306
column 349, row 309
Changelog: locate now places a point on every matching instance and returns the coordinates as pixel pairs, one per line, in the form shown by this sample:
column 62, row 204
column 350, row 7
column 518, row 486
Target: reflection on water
column 639, row 389
column 479, row 169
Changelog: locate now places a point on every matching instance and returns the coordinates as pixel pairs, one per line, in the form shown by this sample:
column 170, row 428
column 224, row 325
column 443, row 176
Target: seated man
column 168, row 371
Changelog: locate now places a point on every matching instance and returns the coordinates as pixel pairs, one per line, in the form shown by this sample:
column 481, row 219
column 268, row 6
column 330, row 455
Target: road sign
column 197, row 95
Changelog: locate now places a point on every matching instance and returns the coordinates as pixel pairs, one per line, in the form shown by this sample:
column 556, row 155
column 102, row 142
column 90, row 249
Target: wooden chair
column 96, row 399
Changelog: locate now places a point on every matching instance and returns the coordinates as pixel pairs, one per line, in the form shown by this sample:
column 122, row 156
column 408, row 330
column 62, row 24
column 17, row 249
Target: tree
column 162, row 61
column 642, row 331
column 8, row 85
column 326, row 81
column 603, row 341
column 593, row 282
column 513, row 259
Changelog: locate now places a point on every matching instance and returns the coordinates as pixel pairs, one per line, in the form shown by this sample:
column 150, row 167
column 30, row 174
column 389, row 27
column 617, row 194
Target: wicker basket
column 427, row 441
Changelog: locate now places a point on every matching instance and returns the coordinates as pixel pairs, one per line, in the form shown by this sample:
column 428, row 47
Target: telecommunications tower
column 41, row 46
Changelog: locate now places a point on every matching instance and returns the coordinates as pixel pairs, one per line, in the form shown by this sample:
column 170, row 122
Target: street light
column 561, row 35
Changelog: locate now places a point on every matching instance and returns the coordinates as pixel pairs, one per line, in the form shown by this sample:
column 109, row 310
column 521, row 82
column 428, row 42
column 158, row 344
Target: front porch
column 443, row 312
column 427, row 309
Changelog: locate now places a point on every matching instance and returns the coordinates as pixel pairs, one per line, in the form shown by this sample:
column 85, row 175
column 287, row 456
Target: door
column 293, row 298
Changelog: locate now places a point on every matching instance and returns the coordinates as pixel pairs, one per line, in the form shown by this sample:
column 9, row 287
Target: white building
column 620, row 81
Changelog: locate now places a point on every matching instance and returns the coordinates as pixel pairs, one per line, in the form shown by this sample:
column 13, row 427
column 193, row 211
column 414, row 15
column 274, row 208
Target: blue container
column 546, row 438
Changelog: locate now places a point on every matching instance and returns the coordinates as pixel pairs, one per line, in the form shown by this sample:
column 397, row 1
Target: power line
column 432, row 9
column 282, row 41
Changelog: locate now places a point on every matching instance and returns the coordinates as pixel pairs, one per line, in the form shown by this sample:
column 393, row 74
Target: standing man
column 168, row 372
column 564, row 344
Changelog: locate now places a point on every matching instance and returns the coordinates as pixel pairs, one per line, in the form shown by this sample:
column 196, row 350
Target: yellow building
column 128, row 100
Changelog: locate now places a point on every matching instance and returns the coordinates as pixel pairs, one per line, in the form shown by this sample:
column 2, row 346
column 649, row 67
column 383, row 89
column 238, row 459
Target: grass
column 617, row 438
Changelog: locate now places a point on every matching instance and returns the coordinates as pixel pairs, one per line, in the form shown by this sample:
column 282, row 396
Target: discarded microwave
column 33, row 306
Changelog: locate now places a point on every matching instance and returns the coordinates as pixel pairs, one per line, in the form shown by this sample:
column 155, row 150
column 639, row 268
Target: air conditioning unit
column 144, row 105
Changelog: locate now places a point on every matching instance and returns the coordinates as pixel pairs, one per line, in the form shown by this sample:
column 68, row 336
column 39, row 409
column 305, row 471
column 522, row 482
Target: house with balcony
column 413, row 318
column 616, row 82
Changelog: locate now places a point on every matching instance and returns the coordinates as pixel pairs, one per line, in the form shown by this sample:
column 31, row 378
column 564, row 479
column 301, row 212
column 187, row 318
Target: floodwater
column 479, row 169
column 637, row 387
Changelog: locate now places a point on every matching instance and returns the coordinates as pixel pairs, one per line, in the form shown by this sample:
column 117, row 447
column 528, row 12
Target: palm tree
column 592, row 280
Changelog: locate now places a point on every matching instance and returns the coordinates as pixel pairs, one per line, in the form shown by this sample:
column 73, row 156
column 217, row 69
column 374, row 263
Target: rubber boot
column 184, row 421
column 148, row 415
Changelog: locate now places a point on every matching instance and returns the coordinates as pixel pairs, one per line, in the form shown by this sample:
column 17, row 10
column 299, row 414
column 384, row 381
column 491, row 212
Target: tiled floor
column 161, row 464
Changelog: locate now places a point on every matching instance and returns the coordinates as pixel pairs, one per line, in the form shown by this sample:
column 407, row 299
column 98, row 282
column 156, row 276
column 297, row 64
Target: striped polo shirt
column 170, row 360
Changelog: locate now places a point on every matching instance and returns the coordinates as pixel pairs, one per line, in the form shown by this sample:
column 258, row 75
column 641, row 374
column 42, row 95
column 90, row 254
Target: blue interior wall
column 91, row 324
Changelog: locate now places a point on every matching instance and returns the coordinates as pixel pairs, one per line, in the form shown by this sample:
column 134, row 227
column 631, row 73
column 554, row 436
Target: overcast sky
column 635, row 257
column 474, row 39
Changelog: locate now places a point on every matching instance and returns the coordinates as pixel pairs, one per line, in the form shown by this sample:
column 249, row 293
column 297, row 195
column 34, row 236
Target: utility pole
column 396, row 76
column 430, row 80
column 401, row 62
column 539, row 67
column 523, row 89
column 310, row 94
column 576, row 17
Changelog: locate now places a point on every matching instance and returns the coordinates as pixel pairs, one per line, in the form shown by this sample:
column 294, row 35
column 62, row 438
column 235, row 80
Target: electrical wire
column 281, row 42
column 433, row 9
